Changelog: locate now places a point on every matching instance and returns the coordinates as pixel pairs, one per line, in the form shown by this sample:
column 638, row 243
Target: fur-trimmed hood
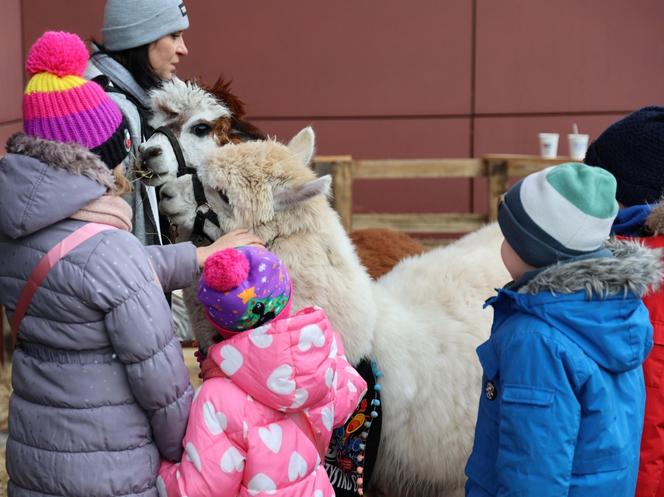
column 632, row 269
column 596, row 303
column 43, row 182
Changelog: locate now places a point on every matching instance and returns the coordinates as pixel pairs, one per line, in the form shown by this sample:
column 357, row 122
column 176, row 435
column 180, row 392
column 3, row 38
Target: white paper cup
column 578, row 144
column 548, row 145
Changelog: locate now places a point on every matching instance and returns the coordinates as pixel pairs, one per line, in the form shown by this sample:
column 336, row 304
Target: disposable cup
column 578, row 144
column 548, row 145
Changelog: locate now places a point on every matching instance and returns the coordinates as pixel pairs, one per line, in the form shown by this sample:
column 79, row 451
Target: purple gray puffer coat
column 100, row 387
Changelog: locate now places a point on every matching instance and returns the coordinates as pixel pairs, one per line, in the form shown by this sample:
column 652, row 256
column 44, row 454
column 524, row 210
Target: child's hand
column 235, row 238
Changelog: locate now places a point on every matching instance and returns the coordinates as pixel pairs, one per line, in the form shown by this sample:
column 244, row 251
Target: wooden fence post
column 342, row 179
column 497, row 171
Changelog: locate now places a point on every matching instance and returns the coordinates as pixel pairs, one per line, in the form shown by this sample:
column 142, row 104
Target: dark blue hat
column 632, row 149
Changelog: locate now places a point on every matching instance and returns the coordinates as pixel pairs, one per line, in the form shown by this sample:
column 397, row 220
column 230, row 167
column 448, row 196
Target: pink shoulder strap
column 69, row 243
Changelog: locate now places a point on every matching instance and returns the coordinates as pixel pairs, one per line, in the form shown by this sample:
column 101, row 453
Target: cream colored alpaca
column 421, row 322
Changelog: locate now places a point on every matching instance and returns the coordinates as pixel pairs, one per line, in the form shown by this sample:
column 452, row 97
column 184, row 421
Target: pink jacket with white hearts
column 257, row 427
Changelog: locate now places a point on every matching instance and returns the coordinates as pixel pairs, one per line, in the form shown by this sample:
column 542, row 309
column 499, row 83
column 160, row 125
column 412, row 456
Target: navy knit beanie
column 559, row 213
column 632, row 149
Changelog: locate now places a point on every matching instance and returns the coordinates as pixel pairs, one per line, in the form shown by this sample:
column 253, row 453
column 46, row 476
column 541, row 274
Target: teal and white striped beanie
column 559, row 213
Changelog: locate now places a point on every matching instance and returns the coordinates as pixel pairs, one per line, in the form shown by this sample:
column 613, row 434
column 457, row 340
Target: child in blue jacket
column 562, row 400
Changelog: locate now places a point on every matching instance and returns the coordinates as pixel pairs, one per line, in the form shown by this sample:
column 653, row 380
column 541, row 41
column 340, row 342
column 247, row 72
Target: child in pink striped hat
column 100, row 388
column 60, row 105
column 274, row 388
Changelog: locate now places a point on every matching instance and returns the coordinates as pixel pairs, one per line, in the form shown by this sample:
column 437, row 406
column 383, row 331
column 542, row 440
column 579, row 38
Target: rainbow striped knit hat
column 559, row 213
column 59, row 105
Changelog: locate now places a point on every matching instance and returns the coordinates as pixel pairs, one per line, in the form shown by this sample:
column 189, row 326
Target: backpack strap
column 39, row 273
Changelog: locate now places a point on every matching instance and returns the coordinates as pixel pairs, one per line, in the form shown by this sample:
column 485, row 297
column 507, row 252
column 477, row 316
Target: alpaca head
column 202, row 119
column 265, row 186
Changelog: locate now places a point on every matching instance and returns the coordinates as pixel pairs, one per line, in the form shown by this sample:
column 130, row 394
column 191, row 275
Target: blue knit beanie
column 559, row 213
column 632, row 149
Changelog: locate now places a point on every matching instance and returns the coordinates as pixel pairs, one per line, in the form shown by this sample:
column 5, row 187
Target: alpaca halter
column 198, row 235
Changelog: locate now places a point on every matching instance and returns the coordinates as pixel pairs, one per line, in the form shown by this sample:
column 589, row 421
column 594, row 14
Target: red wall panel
column 11, row 55
column 568, row 55
column 302, row 58
column 344, row 58
column 380, row 138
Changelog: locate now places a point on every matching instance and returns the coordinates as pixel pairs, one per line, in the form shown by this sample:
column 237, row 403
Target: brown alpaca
column 381, row 249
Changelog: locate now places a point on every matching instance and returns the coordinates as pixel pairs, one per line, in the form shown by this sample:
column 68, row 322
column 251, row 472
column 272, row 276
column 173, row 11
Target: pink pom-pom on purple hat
column 226, row 269
column 57, row 52
column 243, row 288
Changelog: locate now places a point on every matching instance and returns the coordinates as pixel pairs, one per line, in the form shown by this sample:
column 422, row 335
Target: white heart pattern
column 311, row 335
column 232, row 360
column 351, row 370
column 301, row 396
column 161, row 487
column 327, row 415
column 216, row 422
column 281, row 381
column 297, row 467
column 192, row 455
column 329, row 374
column 260, row 338
column 351, row 387
column 232, row 461
column 271, row 437
column 261, row 483
column 333, row 348
column 318, row 493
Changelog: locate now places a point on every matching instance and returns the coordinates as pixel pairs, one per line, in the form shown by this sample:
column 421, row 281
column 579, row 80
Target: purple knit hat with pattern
column 60, row 105
column 243, row 288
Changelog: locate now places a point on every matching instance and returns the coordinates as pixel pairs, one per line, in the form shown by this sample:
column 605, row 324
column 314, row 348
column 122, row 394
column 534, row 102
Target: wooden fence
column 498, row 169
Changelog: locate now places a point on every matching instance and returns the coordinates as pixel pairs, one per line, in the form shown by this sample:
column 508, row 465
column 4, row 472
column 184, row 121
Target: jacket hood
column 43, row 182
column 288, row 365
column 596, row 302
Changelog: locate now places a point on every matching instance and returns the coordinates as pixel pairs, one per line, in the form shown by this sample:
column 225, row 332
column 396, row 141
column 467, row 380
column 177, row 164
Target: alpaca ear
column 303, row 144
column 289, row 196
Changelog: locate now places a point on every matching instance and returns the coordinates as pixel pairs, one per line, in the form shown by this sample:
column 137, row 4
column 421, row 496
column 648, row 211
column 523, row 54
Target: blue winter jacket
column 562, row 403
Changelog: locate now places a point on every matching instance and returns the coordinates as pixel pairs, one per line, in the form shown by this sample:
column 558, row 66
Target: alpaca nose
column 147, row 153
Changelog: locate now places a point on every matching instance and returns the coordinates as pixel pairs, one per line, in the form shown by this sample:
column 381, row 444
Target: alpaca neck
column 327, row 272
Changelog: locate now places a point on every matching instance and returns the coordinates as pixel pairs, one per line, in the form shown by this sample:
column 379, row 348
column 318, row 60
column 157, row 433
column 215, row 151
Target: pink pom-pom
column 226, row 269
column 58, row 52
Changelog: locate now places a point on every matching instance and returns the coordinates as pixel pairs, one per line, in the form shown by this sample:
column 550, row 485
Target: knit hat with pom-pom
column 243, row 288
column 59, row 105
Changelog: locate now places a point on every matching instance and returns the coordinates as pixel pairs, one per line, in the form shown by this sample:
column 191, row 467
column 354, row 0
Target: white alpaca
column 421, row 322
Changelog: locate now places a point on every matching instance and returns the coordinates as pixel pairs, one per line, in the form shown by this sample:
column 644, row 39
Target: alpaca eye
column 224, row 197
column 201, row 129
column 259, row 308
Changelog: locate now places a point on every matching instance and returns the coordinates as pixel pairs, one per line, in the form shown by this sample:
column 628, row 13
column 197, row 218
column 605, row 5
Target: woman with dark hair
column 141, row 44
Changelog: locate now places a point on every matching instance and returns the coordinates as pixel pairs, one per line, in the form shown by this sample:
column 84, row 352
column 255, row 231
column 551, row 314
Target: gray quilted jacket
column 101, row 391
